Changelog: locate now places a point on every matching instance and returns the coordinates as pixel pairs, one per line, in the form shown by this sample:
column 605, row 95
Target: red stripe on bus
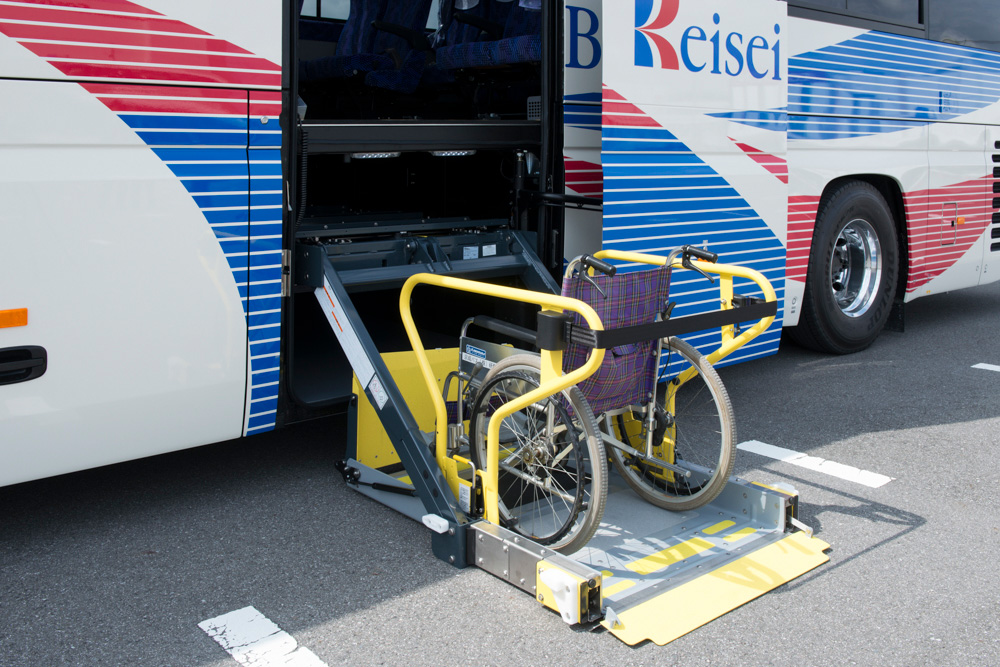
column 160, row 91
column 628, row 121
column 177, row 106
column 42, row 14
column 96, row 53
column 105, row 5
column 20, row 31
column 168, row 74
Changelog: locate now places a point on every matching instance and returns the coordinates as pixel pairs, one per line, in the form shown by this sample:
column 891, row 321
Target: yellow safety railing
column 552, row 379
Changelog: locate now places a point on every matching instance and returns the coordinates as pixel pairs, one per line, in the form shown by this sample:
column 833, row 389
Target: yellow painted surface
column 491, row 494
column 739, row 535
column 669, row 556
column 719, row 527
column 783, row 492
column 374, row 447
column 681, row 610
column 616, row 588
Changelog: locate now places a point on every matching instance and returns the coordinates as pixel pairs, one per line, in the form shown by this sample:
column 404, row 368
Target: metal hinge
column 286, row 273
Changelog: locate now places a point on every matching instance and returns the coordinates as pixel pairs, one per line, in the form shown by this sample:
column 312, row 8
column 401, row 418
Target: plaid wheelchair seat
column 627, row 375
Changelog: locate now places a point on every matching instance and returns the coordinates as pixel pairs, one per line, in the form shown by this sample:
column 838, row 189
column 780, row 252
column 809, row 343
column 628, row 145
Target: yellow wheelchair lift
column 648, row 574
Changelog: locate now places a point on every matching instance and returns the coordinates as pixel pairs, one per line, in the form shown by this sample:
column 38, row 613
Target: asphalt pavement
column 119, row 565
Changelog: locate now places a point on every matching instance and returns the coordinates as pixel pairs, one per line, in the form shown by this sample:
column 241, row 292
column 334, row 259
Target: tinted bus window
column 966, row 22
column 901, row 12
column 906, row 12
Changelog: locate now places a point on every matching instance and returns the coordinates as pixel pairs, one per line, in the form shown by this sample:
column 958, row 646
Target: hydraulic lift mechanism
column 647, row 573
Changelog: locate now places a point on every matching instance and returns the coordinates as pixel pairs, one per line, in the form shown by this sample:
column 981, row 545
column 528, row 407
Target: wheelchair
column 655, row 407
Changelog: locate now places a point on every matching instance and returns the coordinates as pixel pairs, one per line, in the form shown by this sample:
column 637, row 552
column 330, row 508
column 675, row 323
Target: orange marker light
column 17, row 317
column 960, row 221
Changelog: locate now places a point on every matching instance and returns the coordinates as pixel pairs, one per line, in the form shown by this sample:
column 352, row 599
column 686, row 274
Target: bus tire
column 852, row 274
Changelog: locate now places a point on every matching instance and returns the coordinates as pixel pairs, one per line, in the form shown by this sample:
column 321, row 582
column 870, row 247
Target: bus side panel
column 869, row 103
column 265, row 261
column 959, row 210
column 582, row 50
column 127, row 286
column 677, row 167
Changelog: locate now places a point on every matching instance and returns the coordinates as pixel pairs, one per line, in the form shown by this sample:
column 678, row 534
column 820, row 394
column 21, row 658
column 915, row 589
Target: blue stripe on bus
column 266, row 377
column 658, row 184
column 263, row 392
column 264, row 198
column 882, row 77
column 222, row 185
column 583, row 97
column 639, row 216
column 265, row 259
column 218, row 201
column 202, row 155
column 616, row 195
column 208, row 170
column 263, row 348
column 232, row 232
column 265, row 139
column 265, row 304
column 264, row 319
column 219, row 217
column 156, row 122
column 182, row 138
column 632, row 145
column 265, row 273
column 261, row 423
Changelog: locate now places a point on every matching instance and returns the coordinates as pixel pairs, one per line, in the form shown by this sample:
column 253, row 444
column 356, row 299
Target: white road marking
column 850, row 473
column 255, row 641
column 987, row 367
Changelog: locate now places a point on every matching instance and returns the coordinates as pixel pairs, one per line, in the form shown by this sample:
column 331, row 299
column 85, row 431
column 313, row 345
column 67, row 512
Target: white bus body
column 146, row 190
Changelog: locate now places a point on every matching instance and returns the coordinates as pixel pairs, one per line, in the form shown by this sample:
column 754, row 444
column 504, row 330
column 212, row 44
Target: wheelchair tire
column 553, row 479
column 698, row 434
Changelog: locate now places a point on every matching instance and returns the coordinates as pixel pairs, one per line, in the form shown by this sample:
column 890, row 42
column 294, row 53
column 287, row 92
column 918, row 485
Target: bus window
column 899, row 12
column 906, row 12
column 961, row 22
column 334, row 9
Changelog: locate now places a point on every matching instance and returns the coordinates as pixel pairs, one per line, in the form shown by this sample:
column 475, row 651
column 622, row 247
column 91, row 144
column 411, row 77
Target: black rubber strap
column 674, row 327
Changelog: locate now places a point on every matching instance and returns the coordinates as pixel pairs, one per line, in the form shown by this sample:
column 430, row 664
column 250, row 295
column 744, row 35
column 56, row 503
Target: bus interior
column 416, row 124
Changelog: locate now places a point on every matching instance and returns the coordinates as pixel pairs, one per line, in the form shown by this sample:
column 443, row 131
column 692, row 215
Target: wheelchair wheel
column 552, row 478
column 693, row 428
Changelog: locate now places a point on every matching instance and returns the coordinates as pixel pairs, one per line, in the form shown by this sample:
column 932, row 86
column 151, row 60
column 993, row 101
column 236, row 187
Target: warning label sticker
column 378, row 393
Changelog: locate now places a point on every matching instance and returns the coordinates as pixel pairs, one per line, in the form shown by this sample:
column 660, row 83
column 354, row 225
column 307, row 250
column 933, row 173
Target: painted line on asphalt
column 987, row 367
column 850, row 473
column 255, row 641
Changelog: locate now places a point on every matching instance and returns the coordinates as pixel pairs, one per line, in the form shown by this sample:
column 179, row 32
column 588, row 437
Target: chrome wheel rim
column 856, row 268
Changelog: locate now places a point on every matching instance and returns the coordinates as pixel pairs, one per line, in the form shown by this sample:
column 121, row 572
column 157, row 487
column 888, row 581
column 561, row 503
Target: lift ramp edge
column 680, row 610
column 665, row 574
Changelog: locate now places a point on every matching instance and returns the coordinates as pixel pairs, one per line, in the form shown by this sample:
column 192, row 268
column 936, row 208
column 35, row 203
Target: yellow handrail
column 552, row 380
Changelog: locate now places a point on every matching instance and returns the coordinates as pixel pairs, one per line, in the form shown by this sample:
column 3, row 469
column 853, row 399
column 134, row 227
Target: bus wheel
column 853, row 266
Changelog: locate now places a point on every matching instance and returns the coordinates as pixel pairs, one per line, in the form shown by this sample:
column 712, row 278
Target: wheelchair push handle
column 591, row 262
column 690, row 251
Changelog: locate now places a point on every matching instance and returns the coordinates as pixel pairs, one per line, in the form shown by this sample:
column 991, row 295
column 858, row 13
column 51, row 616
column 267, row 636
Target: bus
column 179, row 162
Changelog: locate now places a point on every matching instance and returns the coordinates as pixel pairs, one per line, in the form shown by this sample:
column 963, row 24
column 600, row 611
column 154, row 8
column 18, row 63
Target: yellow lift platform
column 647, row 574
